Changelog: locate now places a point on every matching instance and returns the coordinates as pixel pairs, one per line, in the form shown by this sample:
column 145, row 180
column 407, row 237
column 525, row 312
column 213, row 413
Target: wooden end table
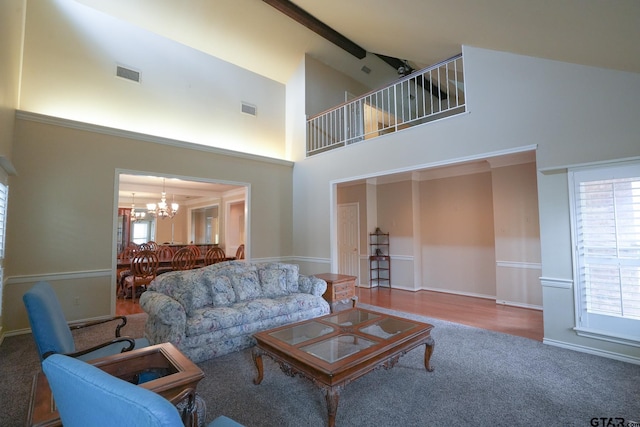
column 341, row 290
column 179, row 380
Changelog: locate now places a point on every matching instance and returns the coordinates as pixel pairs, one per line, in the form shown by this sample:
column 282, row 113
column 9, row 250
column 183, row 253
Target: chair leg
column 133, row 292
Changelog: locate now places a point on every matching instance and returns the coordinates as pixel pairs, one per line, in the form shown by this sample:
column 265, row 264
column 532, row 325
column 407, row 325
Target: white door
column 349, row 240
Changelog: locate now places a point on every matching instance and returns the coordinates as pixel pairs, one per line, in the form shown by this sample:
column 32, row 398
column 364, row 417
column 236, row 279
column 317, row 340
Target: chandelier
column 136, row 216
column 162, row 209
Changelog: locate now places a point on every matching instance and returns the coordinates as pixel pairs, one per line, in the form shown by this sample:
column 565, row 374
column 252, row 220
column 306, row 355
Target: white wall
column 514, row 102
column 71, row 53
column 326, row 87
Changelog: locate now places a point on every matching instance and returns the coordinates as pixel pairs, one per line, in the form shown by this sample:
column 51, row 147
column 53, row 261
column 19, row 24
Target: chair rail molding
column 554, row 282
column 72, row 275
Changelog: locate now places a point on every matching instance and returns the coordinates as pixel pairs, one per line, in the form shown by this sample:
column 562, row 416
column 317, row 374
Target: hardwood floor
column 125, row 307
column 478, row 312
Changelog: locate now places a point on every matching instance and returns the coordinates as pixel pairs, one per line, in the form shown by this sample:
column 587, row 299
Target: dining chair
column 127, row 253
column 144, row 266
column 183, row 259
column 85, row 395
column 214, row 255
column 144, row 247
column 164, row 252
column 52, row 333
column 153, row 246
column 240, row 252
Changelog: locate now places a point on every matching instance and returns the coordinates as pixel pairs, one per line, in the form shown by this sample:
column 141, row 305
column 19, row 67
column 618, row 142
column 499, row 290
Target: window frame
column 592, row 325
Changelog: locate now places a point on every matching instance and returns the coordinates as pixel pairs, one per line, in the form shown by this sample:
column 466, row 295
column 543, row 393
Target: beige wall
column 11, row 32
column 442, row 235
column 62, row 211
column 394, row 216
column 458, row 251
column 180, row 231
column 517, row 235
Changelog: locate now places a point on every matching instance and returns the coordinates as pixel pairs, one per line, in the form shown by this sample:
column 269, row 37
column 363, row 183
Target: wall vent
column 249, row 109
column 127, row 73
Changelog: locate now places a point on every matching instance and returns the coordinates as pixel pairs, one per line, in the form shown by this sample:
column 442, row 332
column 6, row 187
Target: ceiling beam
column 303, row 17
column 429, row 87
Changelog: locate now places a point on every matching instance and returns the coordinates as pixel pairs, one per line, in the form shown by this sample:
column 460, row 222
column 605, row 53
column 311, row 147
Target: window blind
column 3, row 215
column 607, row 245
column 4, row 192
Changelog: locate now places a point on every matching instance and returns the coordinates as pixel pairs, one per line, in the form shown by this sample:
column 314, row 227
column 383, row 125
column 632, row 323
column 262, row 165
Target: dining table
column 166, row 261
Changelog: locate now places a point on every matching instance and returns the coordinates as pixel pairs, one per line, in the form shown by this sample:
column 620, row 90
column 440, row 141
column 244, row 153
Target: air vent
column 249, row 109
column 365, row 69
column 127, row 73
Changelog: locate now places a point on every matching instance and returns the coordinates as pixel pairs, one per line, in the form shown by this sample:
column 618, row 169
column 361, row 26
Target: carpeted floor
column 481, row 378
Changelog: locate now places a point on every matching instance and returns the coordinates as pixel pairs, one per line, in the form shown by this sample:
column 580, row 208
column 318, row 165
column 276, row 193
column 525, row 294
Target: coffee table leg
column 428, row 351
column 257, row 359
column 332, row 396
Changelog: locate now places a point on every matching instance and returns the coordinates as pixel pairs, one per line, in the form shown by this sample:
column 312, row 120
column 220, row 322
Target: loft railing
column 423, row 96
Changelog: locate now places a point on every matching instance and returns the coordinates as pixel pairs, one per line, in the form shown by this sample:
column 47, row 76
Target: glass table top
column 351, row 317
column 346, row 332
column 297, row 334
column 338, row 347
column 387, row 327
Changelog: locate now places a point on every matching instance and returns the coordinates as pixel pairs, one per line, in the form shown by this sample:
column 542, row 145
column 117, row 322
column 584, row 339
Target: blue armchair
column 87, row 396
column 52, row 333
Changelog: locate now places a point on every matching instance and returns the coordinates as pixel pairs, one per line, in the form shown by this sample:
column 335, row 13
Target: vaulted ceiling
column 258, row 37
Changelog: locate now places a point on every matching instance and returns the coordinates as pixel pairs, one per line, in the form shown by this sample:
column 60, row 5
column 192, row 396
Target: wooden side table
column 341, row 290
column 180, row 375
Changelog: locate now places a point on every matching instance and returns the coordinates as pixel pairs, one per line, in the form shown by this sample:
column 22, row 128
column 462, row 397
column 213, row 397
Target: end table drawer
column 343, row 291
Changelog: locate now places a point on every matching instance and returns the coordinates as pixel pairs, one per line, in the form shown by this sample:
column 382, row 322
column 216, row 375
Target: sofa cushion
column 274, row 282
column 222, row 292
column 246, row 285
column 290, row 272
column 191, row 291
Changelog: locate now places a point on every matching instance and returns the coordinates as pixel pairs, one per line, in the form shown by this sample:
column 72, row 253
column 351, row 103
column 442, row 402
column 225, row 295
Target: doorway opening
column 199, row 217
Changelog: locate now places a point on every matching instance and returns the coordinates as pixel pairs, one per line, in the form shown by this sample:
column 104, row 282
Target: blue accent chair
column 52, row 333
column 88, row 396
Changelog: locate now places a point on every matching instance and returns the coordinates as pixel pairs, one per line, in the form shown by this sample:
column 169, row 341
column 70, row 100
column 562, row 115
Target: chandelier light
column 136, row 216
column 162, row 209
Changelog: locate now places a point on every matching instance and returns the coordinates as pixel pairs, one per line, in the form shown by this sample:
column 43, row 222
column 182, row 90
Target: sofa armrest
column 167, row 318
column 312, row 285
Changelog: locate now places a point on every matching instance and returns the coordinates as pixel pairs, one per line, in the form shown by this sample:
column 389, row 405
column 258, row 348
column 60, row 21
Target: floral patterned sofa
column 211, row 311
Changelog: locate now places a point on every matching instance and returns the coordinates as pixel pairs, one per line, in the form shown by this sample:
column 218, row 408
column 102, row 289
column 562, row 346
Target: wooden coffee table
column 336, row 349
column 176, row 379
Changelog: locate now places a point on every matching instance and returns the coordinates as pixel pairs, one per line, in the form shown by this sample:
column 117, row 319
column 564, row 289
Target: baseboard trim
column 594, row 351
column 520, row 305
column 466, row 294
